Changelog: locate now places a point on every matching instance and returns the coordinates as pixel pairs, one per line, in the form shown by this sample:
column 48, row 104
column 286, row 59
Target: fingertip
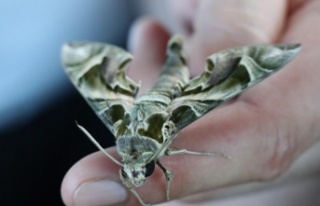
column 147, row 41
column 149, row 35
column 91, row 169
column 66, row 190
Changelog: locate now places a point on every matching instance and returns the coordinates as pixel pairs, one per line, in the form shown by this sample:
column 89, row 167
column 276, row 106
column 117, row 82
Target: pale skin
column 265, row 130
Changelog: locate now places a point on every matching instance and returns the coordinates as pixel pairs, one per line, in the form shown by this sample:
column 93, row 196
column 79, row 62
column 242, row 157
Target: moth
column 145, row 126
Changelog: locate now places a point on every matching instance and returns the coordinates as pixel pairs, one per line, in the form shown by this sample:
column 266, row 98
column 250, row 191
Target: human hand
column 264, row 130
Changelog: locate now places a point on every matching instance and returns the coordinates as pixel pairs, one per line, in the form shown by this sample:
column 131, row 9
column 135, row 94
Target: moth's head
column 136, row 153
column 137, row 173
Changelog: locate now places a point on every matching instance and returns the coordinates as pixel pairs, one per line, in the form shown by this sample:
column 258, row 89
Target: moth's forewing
column 98, row 71
column 227, row 74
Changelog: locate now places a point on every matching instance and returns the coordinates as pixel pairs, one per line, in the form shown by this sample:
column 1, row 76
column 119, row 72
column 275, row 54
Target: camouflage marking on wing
column 226, row 75
column 98, row 71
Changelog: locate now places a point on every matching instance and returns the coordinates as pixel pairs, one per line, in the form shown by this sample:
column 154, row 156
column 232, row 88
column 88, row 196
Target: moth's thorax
column 136, row 152
column 136, row 149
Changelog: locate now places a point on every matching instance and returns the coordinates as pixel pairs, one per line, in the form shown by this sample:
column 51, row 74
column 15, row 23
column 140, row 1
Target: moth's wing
column 226, row 75
column 98, row 71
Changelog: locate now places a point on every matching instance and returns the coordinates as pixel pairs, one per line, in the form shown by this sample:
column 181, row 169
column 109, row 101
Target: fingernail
column 98, row 193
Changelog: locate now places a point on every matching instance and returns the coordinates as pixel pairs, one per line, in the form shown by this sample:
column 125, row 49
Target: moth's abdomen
column 174, row 74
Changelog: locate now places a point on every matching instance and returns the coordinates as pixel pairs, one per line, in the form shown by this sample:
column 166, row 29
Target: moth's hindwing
column 98, row 72
column 226, row 75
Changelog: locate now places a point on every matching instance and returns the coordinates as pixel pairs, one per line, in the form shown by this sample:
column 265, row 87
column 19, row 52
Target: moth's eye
column 150, row 168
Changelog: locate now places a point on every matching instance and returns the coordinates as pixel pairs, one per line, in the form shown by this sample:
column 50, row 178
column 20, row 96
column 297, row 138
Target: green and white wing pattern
column 98, row 71
column 226, row 75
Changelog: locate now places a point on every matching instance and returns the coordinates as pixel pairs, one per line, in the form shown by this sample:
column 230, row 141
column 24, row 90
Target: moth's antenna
column 97, row 144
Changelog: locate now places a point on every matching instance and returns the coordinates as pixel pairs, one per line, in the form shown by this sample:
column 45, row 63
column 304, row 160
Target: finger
column 303, row 27
column 91, row 169
column 224, row 24
column 302, row 21
column 147, row 41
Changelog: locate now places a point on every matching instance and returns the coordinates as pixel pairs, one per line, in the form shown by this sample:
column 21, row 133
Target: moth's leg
column 126, row 183
column 170, row 152
column 169, row 176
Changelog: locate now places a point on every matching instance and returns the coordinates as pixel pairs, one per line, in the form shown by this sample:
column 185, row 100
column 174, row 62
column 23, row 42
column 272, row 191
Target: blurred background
column 39, row 141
